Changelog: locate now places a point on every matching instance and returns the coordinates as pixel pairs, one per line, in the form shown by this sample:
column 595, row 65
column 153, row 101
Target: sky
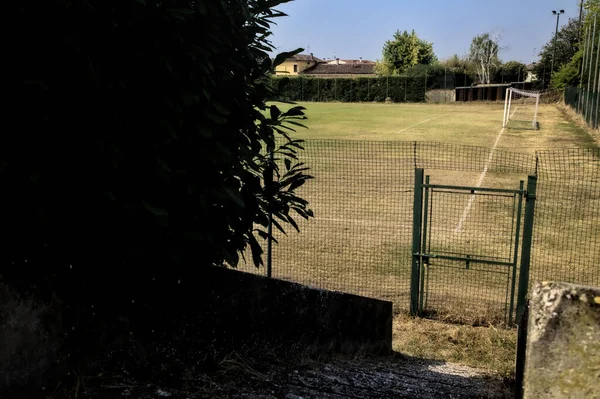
column 350, row 29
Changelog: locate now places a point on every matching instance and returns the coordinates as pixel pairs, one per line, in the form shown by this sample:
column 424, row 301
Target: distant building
column 296, row 64
column 341, row 69
column 311, row 66
column 337, row 61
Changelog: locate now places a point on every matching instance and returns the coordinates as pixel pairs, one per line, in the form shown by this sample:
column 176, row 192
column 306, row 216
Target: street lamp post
column 557, row 13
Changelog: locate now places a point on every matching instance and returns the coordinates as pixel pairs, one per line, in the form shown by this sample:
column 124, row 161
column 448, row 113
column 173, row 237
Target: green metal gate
column 466, row 243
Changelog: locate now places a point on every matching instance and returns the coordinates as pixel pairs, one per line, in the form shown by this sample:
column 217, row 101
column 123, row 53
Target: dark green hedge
column 411, row 88
column 399, row 89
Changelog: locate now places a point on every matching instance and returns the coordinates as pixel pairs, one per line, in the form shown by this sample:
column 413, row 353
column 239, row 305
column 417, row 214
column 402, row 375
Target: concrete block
column 563, row 342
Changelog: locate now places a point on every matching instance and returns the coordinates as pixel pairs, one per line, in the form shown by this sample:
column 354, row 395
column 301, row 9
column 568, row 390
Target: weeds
column 489, row 348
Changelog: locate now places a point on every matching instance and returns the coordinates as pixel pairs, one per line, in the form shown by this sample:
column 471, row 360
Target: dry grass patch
column 489, row 348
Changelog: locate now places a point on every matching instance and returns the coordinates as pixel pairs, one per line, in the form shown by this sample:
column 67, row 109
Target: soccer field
column 475, row 124
column 363, row 158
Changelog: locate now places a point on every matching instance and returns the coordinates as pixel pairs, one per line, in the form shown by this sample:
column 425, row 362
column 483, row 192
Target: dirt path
column 382, row 378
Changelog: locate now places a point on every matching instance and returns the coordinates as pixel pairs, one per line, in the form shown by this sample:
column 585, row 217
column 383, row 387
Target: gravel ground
column 388, row 377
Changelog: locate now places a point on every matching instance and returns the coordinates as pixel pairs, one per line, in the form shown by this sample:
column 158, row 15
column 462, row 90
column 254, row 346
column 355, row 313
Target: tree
column 405, row 50
column 484, row 53
column 512, row 71
column 567, row 44
column 456, row 63
column 569, row 73
column 461, row 66
column 138, row 146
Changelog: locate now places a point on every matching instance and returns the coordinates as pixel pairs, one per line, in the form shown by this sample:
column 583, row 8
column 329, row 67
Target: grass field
column 360, row 239
column 462, row 123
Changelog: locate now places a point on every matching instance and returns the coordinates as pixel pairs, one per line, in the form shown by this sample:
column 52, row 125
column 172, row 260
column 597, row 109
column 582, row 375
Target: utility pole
column 557, row 13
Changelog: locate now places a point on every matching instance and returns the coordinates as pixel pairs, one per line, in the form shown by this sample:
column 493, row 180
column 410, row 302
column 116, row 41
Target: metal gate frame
column 420, row 257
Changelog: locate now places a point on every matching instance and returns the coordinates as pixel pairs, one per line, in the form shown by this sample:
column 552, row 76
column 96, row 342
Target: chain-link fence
column 566, row 240
column 468, row 240
column 586, row 103
column 362, row 195
column 585, row 99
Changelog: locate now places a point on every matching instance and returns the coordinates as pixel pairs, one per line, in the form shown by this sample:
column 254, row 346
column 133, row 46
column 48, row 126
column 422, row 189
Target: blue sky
column 357, row 28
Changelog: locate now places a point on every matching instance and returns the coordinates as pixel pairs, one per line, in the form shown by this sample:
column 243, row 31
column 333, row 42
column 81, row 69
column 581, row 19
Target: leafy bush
column 139, row 152
column 410, row 87
column 569, row 74
column 512, row 71
column 398, row 88
column 138, row 147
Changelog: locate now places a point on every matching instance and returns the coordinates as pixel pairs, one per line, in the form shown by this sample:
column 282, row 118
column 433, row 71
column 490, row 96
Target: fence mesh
column 566, row 240
column 480, row 227
column 586, row 103
column 361, row 236
column 585, row 100
column 360, row 240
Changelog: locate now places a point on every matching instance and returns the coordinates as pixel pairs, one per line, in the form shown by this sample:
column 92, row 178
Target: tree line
column 570, row 46
column 406, row 52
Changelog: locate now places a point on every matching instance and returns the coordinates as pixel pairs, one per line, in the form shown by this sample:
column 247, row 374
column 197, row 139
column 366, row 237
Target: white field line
column 419, row 123
column 364, row 222
column 467, row 209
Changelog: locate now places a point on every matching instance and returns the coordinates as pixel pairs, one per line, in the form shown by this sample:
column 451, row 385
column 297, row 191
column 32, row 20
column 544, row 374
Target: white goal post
column 521, row 109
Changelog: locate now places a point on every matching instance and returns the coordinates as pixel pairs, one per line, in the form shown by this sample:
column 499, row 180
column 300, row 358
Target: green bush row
column 399, row 89
column 411, row 88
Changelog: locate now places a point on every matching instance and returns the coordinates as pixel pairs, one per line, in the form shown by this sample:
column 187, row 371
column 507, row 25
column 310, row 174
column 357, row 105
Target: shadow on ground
column 394, row 376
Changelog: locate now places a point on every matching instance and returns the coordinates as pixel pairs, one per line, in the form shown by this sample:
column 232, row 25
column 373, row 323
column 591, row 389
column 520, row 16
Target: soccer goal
column 521, row 109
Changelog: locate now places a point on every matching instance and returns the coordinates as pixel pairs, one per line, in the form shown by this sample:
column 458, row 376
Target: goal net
column 521, row 109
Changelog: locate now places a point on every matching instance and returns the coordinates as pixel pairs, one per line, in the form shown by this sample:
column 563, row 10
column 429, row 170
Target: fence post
column 387, row 87
column 416, row 247
column 537, row 104
column 526, row 250
column 422, row 262
column 318, row 89
column 587, row 102
column 596, row 104
column 583, row 70
column 596, row 75
column 445, row 88
column 269, row 185
column 425, row 92
column 351, row 92
column 521, row 352
column 515, row 255
column 405, row 86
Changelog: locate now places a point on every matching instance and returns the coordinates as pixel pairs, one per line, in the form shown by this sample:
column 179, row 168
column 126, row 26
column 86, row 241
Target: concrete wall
column 563, row 342
column 440, row 96
column 253, row 307
column 181, row 321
